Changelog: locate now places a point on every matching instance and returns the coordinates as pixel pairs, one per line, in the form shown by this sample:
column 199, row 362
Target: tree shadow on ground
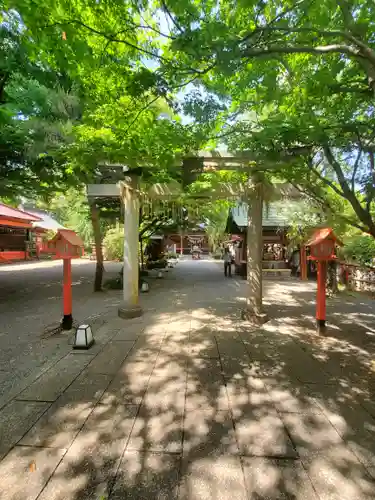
column 189, row 402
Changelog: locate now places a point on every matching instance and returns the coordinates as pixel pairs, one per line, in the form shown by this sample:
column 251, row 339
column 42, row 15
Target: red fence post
column 67, row 322
column 321, row 296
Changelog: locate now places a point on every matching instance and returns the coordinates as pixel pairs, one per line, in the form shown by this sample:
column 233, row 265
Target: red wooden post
column 321, row 296
column 67, row 321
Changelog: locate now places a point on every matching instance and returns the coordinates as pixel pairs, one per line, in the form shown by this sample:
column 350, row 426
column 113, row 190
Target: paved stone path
column 188, row 402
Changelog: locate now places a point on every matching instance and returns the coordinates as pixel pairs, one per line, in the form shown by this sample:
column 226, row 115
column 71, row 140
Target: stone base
column 321, row 326
column 67, row 322
column 255, row 319
column 127, row 311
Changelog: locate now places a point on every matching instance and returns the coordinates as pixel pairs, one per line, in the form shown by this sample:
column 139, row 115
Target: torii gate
column 128, row 190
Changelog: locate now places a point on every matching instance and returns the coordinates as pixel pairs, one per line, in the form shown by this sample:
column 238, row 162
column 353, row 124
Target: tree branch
column 3, row 81
column 366, row 50
column 287, row 29
column 323, row 49
column 339, row 89
column 371, row 194
column 327, row 182
column 111, row 38
column 150, row 103
column 167, row 11
column 323, row 202
column 363, row 214
column 355, row 168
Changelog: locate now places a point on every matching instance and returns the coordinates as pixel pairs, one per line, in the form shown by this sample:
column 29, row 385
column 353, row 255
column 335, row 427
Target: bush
column 360, row 249
column 157, row 264
column 171, row 255
column 113, row 284
column 113, row 244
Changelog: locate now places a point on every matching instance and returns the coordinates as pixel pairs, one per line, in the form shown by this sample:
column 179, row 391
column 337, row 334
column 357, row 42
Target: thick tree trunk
column 332, row 279
column 254, row 306
column 95, row 220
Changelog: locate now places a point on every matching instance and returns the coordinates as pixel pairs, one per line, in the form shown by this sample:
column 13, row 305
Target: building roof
column 14, row 213
column 273, row 215
column 70, row 236
column 45, row 221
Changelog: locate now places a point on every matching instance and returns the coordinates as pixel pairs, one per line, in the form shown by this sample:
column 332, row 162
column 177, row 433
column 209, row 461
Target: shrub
column 157, row 264
column 171, row 255
column 360, row 249
column 113, row 244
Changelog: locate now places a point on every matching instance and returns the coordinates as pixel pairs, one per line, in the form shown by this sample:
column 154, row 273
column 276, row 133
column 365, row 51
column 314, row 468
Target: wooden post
column 181, row 244
column 142, row 255
column 254, row 309
column 130, row 307
column 99, row 269
column 321, row 296
column 303, row 263
column 67, row 321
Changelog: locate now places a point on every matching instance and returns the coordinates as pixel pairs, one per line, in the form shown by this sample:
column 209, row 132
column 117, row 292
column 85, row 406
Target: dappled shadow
column 189, row 402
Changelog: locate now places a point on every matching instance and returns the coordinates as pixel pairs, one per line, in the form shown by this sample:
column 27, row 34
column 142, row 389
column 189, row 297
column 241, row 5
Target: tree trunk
column 332, row 281
column 181, row 242
column 142, row 254
column 254, row 306
column 95, row 220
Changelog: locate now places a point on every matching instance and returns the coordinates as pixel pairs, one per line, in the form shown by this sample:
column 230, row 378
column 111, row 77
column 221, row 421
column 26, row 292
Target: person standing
column 227, row 262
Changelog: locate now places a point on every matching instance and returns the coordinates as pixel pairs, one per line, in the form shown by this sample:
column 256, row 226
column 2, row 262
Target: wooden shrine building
column 15, row 228
column 275, row 226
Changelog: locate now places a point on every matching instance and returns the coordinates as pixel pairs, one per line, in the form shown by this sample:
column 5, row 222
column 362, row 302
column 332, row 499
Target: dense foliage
column 113, row 244
column 290, row 85
column 360, row 249
column 72, row 211
column 38, row 109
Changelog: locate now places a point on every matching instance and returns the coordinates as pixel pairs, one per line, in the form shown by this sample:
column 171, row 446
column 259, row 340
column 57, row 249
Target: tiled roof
column 45, row 220
column 70, row 236
column 14, row 213
column 274, row 215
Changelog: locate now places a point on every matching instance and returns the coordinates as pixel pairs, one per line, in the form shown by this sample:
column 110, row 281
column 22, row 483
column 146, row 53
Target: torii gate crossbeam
column 129, row 190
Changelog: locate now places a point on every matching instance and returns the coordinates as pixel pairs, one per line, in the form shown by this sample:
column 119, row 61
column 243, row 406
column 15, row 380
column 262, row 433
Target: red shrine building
column 15, row 228
column 22, row 232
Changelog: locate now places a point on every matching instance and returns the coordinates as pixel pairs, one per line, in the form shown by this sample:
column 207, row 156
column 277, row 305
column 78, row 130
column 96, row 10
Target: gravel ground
column 30, row 301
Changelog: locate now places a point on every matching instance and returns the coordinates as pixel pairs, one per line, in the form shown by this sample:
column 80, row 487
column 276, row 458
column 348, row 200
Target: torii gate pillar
column 130, row 307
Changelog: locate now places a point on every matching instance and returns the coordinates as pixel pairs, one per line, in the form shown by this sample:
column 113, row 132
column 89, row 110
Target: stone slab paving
column 189, row 402
column 54, row 381
column 15, row 419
